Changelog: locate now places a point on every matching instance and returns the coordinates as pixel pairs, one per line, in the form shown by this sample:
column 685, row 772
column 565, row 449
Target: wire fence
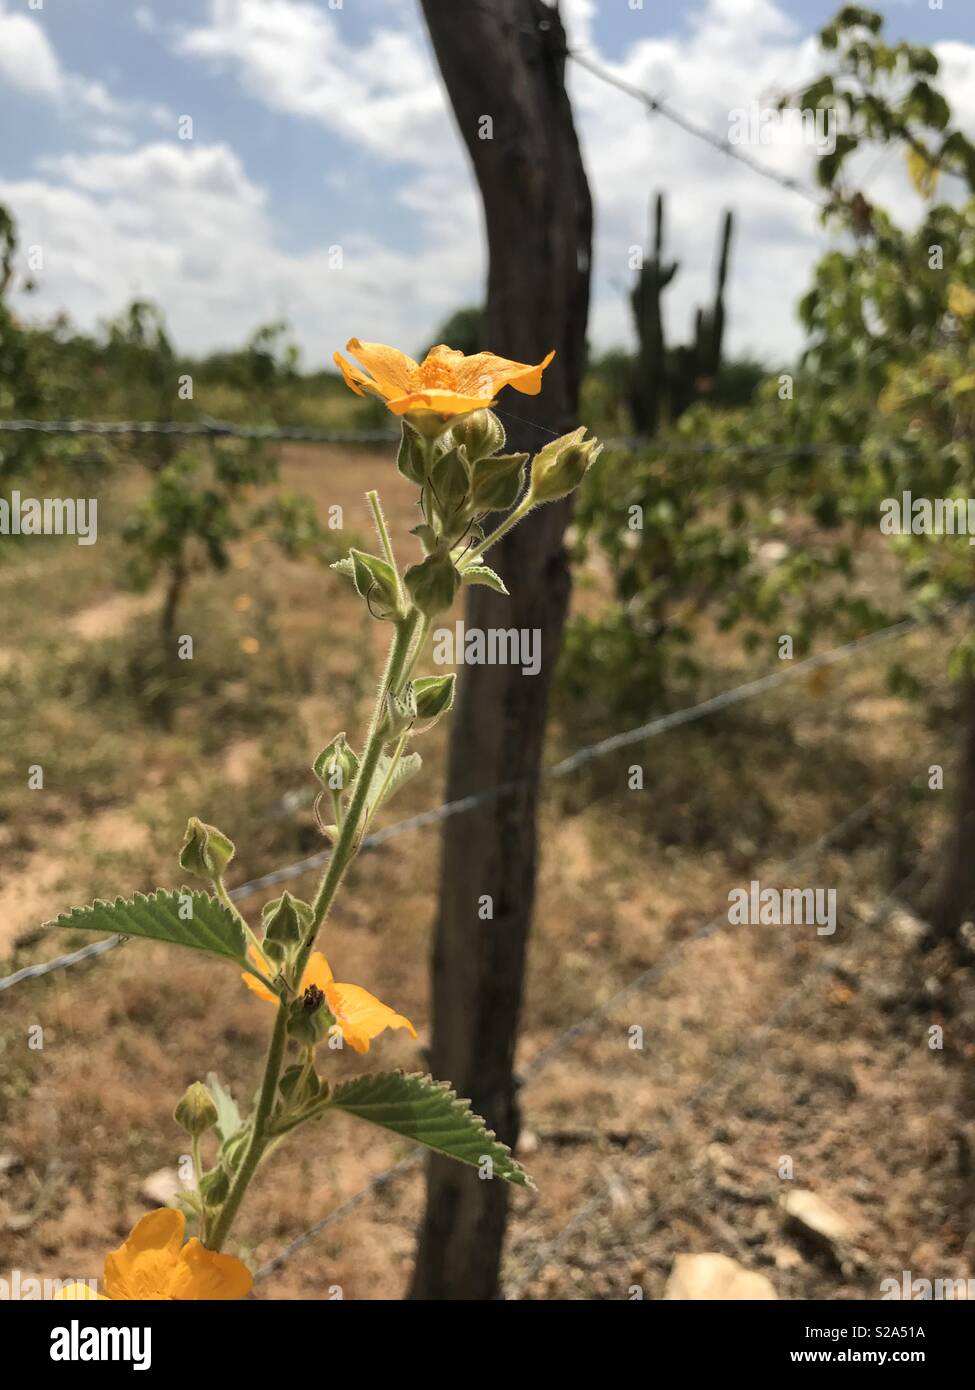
column 653, row 728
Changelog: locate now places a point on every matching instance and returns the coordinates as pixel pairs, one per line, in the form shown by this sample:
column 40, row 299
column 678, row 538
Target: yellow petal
column 145, row 1266
column 203, row 1274
column 362, row 1016
column 252, row 982
column 79, row 1291
column 392, row 371
column 440, row 402
column 484, row 373
column 318, row 972
column 354, row 378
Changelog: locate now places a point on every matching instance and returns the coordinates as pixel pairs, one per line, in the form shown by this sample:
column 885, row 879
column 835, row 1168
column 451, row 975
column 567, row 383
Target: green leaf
column 483, row 574
column 207, row 927
column 407, row 767
column 229, row 1120
column 428, row 1111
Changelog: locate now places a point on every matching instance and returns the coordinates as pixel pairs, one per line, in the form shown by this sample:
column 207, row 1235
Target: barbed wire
column 658, row 106
column 206, row 428
column 302, row 435
column 653, row 728
column 569, row 1035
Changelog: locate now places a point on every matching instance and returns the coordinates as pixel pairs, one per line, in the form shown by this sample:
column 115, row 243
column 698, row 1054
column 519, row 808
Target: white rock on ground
column 696, row 1277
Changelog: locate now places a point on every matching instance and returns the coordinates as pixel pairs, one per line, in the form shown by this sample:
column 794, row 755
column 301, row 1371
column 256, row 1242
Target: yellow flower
column 444, row 383
column 359, row 1014
column 154, row 1264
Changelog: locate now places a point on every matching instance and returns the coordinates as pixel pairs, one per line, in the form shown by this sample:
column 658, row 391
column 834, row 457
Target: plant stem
column 343, row 854
column 258, row 1139
column 472, row 556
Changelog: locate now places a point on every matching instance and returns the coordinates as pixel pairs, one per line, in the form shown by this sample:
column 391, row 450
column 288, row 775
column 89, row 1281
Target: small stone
column 815, row 1218
column 715, row 1277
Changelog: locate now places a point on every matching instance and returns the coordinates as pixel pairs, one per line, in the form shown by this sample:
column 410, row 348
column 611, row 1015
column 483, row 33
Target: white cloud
column 27, row 61
column 184, row 225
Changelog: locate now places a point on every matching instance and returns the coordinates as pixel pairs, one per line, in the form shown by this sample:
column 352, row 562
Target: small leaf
column 229, row 1120
column 428, row 1111
column 207, row 927
column 483, row 574
column 406, row 768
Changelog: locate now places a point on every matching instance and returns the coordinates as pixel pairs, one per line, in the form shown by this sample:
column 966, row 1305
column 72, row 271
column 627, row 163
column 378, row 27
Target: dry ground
column 759, row 1044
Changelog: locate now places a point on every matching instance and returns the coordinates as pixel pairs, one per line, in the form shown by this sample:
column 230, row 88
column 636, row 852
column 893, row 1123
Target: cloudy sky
column 322, row 123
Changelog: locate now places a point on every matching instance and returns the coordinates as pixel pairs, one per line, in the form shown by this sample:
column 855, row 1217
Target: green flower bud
column 413, row 457
column 450, row 485
column 311, row 1086
column 480, row 433
column 214, row 1187
column 285, row 920
column 498, row 482
column 336, row 766
column 206, row 851
column 309, row 1017
column 434, row 695
column 559, row 468
column 433, row 584
column 196, row 1112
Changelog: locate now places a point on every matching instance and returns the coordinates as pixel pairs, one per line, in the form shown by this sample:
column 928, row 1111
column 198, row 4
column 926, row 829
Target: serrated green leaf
column 209, row 927
column 428, row 1111
column 484, row 574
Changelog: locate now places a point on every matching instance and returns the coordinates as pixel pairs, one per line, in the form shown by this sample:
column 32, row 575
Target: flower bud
column 498, row 482
column 559, row 468
column 196, row 1112
column 309, row 1017
column 413, row 455
column 400, row 713
column 206, row 851
column 285, row 920
column 336, row 766
column 434, row 695
column 481, row 433
column 433, row 584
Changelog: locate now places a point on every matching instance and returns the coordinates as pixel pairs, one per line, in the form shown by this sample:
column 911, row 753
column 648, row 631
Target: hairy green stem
column 258, row 1139
column 397, row 664
column 473, row 555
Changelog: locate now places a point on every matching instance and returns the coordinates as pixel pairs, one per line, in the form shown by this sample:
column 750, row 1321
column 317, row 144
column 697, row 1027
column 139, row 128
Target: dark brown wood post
column 503, row 64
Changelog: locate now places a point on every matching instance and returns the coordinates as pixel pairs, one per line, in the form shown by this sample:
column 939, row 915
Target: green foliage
column 754, row 520
column 428, row 1112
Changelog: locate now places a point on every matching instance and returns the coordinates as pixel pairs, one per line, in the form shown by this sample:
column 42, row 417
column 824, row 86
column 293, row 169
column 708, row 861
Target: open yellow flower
column 154, row 1264
column 445, row 383
column 359, row 1014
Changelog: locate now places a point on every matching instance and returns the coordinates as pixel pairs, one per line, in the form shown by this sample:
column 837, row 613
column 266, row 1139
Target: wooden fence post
column 503, row 65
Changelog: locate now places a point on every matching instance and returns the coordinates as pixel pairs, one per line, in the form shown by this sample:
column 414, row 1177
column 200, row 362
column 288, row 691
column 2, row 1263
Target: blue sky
column 324, row 179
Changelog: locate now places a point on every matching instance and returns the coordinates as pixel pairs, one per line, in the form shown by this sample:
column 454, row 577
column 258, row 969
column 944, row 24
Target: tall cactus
column 649, row 387
column 675, row 378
